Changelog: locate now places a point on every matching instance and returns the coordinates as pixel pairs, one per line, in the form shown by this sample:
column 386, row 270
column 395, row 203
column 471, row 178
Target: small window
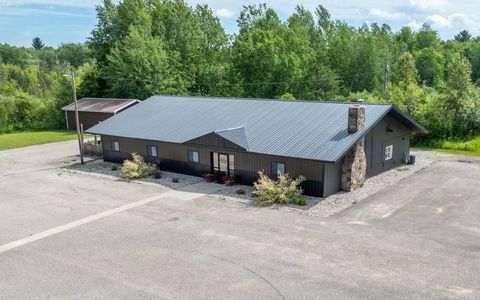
column 388, row 152
column 278, row 167
column 193, row 156
column 115, row 146
column 152, row 151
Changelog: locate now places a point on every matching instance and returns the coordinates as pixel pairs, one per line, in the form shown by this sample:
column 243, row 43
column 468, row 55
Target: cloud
column 430, row 4
column 224, row 13
column 459, row 20
column 438, row 21
column 386, row 15
column 414, row 25
column 71, row 3
column 12, row 11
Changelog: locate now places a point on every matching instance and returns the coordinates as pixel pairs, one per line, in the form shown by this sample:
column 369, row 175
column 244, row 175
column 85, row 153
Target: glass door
column 222, row 162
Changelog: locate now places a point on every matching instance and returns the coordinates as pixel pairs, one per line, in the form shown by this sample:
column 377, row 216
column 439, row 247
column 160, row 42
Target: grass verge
column 467, row 148
column 30, row 138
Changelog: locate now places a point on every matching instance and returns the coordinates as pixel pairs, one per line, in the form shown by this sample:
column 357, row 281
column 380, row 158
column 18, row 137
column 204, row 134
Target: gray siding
column 88, row 119
column 332, row 178
column 378, row 138
column 173, row 157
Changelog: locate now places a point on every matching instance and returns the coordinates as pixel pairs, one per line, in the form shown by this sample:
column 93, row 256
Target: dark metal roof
column 101, row 105
column 305, row 129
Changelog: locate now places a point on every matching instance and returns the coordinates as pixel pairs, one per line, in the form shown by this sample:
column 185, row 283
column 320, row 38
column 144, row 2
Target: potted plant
column 209, row 177
column 229, row 180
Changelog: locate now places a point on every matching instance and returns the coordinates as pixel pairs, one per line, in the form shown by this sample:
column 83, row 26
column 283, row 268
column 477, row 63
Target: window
column 152, row 151
column 115, row 146
column 278, row 167
column 388, row 152
column 193, row 156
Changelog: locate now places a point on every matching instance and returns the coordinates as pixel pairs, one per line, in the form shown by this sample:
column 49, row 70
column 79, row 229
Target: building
column 334, row 145
column 92, row 111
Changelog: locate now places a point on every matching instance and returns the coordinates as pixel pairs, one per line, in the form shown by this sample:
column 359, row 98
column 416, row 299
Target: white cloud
column 14, row 11
column 430, row 4
column 72, row 3
column 414, row 25
column 438, row 21
column 224, row 13
column 456, row 20
column 386, row 15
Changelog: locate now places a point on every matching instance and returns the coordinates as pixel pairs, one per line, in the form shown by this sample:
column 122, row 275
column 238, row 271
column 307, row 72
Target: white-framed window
column 193, row 156
column 278, row 167
column 388, row 152
column 152, row 151
column 115, row 146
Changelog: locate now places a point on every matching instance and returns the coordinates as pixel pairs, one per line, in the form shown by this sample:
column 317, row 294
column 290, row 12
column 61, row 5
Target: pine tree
column 37, row 43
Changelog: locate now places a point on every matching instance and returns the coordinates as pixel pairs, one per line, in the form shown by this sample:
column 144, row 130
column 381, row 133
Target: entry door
column 222, row 162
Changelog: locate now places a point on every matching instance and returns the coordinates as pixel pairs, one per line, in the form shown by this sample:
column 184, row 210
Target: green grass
column 29, row 138
column 468, row 148
column 402, row 169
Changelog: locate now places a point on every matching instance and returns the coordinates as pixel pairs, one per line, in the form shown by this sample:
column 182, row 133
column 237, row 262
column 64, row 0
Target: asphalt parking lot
column 72, row 236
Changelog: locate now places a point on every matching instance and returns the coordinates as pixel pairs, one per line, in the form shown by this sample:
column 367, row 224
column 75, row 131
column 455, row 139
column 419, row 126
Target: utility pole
column 77, row 122
column 385, row 76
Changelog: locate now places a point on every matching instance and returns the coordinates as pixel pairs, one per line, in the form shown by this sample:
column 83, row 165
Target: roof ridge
column 273, row 100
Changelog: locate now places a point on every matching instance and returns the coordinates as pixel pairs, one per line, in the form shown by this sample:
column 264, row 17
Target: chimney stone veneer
column 354, row 164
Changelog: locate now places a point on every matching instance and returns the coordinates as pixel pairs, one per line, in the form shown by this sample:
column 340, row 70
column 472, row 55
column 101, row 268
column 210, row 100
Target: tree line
column 144, row 47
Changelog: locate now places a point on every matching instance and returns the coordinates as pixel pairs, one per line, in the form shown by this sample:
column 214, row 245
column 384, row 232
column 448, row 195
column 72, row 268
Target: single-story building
column 92, row 111
column 334, row 145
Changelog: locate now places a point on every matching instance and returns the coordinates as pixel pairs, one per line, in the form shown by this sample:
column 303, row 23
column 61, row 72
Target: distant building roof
column 101, row 105
column 306, row 129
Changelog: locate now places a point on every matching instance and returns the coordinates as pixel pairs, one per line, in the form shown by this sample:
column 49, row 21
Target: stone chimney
column 356, row 118
column 354, row 164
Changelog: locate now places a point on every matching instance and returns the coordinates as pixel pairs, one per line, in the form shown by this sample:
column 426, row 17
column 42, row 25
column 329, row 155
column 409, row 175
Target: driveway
column 98, row 238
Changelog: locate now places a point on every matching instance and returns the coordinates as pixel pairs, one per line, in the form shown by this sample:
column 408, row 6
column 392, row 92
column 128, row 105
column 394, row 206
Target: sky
column 57, row 21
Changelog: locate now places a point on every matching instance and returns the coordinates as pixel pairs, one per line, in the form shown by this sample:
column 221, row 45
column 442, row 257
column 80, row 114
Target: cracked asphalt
column 419, row 239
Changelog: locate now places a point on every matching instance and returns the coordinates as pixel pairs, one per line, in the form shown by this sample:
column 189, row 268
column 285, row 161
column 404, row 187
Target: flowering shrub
column 136, row 168
column 283, row 190
column 209, row 177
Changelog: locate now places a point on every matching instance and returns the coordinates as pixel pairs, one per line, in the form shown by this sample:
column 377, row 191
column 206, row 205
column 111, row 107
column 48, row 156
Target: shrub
column 228, row 180
column 157, row 174
column 175, row 180
column 302, row 202
column 114, row 167
column 240, row 191
column 282, row 190
column 137, row 167
column 209, row 177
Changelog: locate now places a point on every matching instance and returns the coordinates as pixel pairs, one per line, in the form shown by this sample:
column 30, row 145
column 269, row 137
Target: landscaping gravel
column 324, row 207
column 104, row 169
column 316, row 206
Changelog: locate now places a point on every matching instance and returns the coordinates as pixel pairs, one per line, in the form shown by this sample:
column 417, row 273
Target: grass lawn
column 29, row 138
column 468, row 148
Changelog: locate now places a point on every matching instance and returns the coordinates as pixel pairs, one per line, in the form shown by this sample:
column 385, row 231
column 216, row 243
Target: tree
column 461, row 102
column 37, row 43
column 139, row 67
column 430, row 65
column 405, row 70
column 463, row 36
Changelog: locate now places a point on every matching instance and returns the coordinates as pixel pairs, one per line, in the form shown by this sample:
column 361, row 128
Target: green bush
column 240, row 191
column 302, row 202
column 136, row 168
column 114, row 167
column 283, row 190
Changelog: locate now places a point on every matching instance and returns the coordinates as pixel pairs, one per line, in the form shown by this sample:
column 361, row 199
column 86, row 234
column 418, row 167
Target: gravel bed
column 100, row 168
column 324, row 207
